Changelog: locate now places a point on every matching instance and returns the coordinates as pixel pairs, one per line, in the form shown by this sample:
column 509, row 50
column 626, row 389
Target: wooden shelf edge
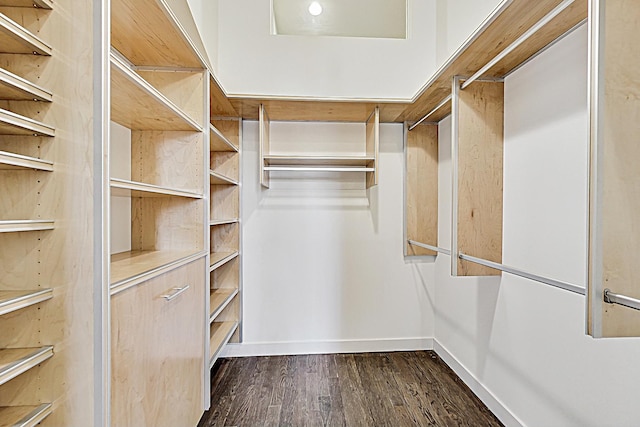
column 147, row 189
column 27, row 361
column 24, row 37
column 215, row 312
column 218, row 179
column 218, row 259
column 17, row 300
column 215, row 132
column 39, row 4
column 30, row 90
column 24, row 162
column 25, row 124
column 25, row 416
column 298, row 160
column 229, row 329
column 216, row 222
column 25, row 225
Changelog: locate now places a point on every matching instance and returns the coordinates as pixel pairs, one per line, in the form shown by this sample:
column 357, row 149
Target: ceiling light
column 315, row 9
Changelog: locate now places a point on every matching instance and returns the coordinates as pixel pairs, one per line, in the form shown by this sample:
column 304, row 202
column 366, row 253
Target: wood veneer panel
column 14, row 38
column 479, row 175
column 14, row 87
column 224, row 135
column 372, row 146
column 219, row 105
column 44, row 4
column 11, row 300
column 286, row 160
column 309, row 110
column 422, row 188
column 24, row 416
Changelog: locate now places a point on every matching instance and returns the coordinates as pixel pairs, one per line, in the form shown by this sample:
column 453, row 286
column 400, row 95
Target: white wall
column 524, row 341
column 323, row 257
column 254, row 62
column 205, row 14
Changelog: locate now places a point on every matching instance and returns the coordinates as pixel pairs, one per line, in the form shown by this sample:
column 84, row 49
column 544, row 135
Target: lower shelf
column 16, row 300
column 15, row 361
column 24, row 416
column 218, row 301
column 219, row 335
column 220, row 258
column 25, row 225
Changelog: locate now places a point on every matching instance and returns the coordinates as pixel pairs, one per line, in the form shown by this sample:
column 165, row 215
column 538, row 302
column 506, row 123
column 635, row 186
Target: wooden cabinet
column 158, row 351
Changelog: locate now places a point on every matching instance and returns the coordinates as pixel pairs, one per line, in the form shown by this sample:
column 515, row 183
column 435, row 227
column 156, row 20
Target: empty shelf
column 219, row 142
column 42, row 4
column 13, row 87
column 219, row 335
column 215, row 222
column 136, row 104
column 26, row 225
column 10, row 161
column 218, row 179
column 15, row 361
column 16, row 300
column 124, row 188
column 219, row 299
column 16, row 39
column 220, row 258
column 24, row 416
column 15, row 124
column 284, row 160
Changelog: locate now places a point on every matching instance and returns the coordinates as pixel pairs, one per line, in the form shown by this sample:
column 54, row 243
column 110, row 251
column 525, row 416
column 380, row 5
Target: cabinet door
column 157, row 350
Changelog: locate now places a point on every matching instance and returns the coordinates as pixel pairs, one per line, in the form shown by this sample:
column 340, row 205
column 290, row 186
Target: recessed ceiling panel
column 345, row 18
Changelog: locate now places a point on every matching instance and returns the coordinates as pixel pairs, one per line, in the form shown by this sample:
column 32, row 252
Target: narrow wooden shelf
column 219, row 259
column 137, row 105
column 15, row 361
column 41, row 4
column 25, row 225
column 15, row 124
column 215, row 222
column 218, row 300
column 13, row 87
column 24, row 416
column 219, row 335
column 287, row 160
column 219, row 179
column 10, row 161
column 219, row 142
column 16, row 39
column 17, row 300
column 124, row 188
column 130, row 268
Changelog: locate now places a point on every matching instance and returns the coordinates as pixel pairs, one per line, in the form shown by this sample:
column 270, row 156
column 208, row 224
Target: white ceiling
column 346, row 18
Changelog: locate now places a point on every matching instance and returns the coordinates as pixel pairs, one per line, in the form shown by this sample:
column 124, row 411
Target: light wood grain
column 218, row 140
column 223, row 221
column 372, row 146
column 16, row 39
column 17, row 300
column 219, row 104
column 16, row 361
column 226, row 164
column 305, row 110
column 225, row 238
column 293, row 160
column 127, row 265
column 24, row 416
column 227, row 275
column 422, row 188
column 480, row 170
column 10, row 161
column 619, row 188
column 218, row 300
column 124, row 188
column 219, row 336
column 220, row 258
column 219, row 179
column 225, row 202
column 157, row 354
column 15, row 124
column 14, row 87
column 44, row 4
column 15, row 226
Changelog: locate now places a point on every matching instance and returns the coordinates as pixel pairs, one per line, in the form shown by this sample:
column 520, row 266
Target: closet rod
column 447, row 99
column 611, row 298
column 317, row 169
column 431, row 248
column 538, row 25
column 556, row 283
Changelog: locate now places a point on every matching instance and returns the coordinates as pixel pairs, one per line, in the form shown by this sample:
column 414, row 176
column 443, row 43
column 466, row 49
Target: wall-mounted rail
column 430, row 247
column 430, row 113
column 611, row 298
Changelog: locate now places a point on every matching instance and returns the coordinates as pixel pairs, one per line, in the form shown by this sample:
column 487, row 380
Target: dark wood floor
column 373, row 389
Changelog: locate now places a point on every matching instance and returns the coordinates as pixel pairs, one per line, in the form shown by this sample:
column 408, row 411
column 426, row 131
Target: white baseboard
column 325, row 347
column 485, row 395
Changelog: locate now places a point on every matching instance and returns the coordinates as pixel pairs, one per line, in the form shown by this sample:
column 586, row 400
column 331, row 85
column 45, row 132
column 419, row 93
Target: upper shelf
column 15, row 124
column 16, row 39
column 24, row 416
column 16, row 300
column 147, row 33
column 26, row 225
column 13, row 87
column 125, row 188
column 139, row 106
column 42, row 4
column 10, row 161
column 15, row 361
column 219, row 142
column 286, row 160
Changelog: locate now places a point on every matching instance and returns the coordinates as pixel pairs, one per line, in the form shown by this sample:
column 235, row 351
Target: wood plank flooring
column 372, row 389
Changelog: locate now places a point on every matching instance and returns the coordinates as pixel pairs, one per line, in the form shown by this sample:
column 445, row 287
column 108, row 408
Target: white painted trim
column 494, row 404
column 326, row 347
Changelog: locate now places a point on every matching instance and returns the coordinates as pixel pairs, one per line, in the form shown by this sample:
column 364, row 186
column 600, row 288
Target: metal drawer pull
column 175, row 292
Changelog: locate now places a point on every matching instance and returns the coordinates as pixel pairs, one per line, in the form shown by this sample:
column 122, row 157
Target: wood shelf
column 24, row 416
column 219, row 179
column 219, row 335
column 137, row 105
column 219, row 259
column 218, row 300
column 219, row 142
column 16, row 39
column 297, row 160
column 125, row 188
column 13, row 87
column 41, row 4
column 15, row 124
column 10, row 161
column 15, row 226
column 15, row 361
column 215, row 222
column 17, row 300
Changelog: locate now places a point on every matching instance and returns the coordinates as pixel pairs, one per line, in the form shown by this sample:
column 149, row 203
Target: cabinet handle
column 175, row 292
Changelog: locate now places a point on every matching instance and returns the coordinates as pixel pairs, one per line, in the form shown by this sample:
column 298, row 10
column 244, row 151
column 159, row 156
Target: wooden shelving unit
column 17, row 300
column 24, row 416
column 16, row 39
column 124, row 188
column 219, row 179
column 16, row 361
column 219, row 299
column 25, row 225
column 10, row 161
column 42, row 4
column 218, row 259
column 14, row 87
column 15, row 124
column 220, row 334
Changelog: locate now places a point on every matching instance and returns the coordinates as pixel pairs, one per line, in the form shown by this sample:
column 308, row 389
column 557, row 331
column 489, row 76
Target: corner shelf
column 219, row 142
column 219, row 179
column 24, row 416
column 17, row 300
column 41, row 4
column 15, row 124
column 16, row 39
column 219, row 335
column 13, row 87
column 219, row 259
column 218, row 300
column 14, row 226
column 10, row 161
column 125, row 188
column 15, row 361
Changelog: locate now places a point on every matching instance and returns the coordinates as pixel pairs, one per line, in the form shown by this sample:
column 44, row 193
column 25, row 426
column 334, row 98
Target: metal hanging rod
column 426, row 116
column 556, row 283
column 431, row 248
column 538, row 25
column 611, row 298
column 318, row 169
